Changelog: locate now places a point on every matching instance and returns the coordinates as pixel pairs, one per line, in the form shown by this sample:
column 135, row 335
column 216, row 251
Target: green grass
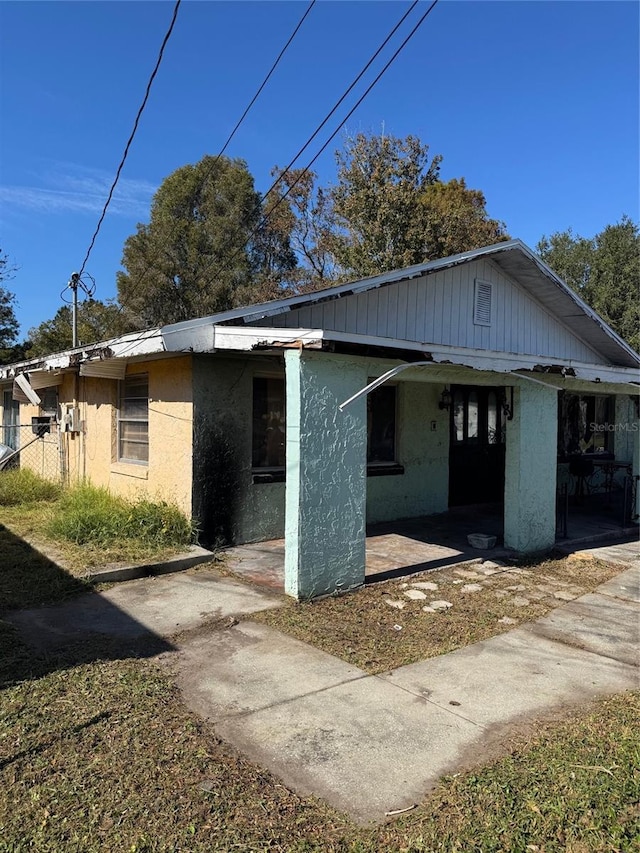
column 102, row 756
column 21, row 486
column 89, row 515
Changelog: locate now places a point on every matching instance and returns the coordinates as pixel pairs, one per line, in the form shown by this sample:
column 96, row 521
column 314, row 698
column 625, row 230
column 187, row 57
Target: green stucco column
column 530, row 470
column 326, row 475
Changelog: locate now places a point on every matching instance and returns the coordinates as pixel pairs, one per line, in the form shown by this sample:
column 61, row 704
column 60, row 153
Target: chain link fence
column 38, row 450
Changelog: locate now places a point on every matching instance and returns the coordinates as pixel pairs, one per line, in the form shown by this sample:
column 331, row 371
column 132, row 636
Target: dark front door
column 476, row 454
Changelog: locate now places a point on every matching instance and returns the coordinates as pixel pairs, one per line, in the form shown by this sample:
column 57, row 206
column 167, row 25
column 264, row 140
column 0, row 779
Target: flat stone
column 365, row 746
column 536, row 675
column 425, row 585
column 440, row 604
column 626, row 586
column 492, row 564
column 517, row 601
column 240, row 670
column 458, row 581
column 415, row 594
column 626, row 554
column 517, row 588
column 427, row 609
column 507, row 620
column 487, row 572
column 471, row 587
column 466, row 573
column 399, row 605
column 500, row 593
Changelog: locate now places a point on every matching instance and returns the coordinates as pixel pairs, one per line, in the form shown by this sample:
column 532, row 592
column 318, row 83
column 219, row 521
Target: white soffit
column 109, row 368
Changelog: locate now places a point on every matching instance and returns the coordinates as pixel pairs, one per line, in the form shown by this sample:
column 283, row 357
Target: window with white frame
column 133, row 419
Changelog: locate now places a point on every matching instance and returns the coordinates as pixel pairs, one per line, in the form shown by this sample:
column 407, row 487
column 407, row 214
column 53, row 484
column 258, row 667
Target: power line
column 133, row 133
column 341, row 99
column 330, row 139
column 242, row 117
column 267, row 216
column 264, row 219
column 264, row 82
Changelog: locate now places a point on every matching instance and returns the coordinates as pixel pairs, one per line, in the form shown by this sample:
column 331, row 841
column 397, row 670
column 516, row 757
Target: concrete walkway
column 373, row 744
column 367, row 744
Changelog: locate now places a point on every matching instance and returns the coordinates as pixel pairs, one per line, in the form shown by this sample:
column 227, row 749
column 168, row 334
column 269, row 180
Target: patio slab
column 625, row 586
column 411, row 546
column 607, row 626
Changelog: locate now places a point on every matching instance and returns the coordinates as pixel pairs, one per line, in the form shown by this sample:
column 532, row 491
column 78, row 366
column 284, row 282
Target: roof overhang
column 214, row 338
column 513, row 257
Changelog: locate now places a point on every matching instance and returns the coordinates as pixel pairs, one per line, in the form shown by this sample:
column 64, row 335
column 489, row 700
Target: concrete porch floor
column 405, row 547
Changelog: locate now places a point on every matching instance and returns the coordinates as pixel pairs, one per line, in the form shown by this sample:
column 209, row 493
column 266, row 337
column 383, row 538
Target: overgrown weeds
column 87, row 514
column 22, row 486
column 79, row 529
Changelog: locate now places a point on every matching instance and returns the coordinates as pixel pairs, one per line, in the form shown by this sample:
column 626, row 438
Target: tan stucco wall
column 168, row 473
column 92, row 453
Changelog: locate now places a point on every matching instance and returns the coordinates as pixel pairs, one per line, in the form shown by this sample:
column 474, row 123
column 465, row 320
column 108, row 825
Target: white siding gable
column 440, row 308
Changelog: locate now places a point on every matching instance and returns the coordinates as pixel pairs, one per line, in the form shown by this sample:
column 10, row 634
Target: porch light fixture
column 445, row 400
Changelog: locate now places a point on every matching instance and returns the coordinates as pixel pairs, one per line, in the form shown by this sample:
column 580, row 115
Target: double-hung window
column 133, row 419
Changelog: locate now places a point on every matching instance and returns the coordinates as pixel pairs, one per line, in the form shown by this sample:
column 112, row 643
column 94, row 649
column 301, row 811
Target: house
column 392, row 397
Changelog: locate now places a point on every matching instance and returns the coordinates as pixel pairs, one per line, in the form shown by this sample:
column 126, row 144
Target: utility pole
column 88, row 287
column 73, row 284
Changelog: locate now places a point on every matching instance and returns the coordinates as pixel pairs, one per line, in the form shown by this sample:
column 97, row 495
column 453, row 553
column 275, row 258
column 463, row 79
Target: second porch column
column 326, row 475
column 531, row 469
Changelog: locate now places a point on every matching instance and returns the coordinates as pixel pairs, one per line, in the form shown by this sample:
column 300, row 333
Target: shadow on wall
column 216, row 479
column 80, row 626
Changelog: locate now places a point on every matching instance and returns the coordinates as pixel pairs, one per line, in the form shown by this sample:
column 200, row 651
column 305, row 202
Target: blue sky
column 534, row 103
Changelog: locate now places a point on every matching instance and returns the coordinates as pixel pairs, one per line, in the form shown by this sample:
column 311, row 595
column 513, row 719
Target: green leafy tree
column 199, row 254
column 97, row 321
column 604, row 270
column 391, row 210
column 457, row 219
column 308, row 219
column 376, row 202
column 9, row 350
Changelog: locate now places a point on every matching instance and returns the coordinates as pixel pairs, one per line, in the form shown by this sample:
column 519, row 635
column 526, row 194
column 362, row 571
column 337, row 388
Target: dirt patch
column 387, row 625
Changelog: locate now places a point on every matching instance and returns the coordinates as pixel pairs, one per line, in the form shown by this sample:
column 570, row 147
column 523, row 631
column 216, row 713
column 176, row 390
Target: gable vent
column 482, row 303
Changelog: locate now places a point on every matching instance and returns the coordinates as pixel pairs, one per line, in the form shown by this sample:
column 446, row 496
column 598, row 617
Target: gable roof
column 234, row 329
column 515, row 258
